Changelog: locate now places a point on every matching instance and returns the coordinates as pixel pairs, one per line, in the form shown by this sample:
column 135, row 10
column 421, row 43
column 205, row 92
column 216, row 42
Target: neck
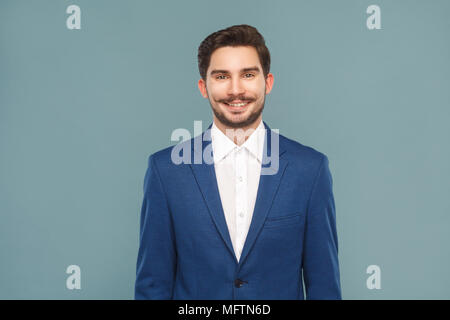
column 238, row 135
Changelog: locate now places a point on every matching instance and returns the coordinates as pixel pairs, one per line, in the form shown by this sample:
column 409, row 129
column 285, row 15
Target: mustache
column 237, row 98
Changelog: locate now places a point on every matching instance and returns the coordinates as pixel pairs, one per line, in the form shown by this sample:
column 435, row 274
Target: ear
column 202, row 88
column 269, row 82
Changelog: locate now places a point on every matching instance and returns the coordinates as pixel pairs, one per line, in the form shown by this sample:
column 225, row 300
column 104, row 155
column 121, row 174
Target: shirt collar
column 222, row 145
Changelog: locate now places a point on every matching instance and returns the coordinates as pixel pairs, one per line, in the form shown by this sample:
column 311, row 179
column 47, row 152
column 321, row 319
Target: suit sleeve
column 320, row 252
column 156, row 262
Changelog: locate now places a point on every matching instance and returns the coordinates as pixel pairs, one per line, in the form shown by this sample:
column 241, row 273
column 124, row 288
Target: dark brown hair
column 238, row 35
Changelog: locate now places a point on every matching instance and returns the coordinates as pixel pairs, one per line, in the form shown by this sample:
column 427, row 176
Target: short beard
column 236, row 125
column 242, row 124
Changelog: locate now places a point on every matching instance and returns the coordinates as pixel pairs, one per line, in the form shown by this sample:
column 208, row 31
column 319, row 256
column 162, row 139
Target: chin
column 237, row 118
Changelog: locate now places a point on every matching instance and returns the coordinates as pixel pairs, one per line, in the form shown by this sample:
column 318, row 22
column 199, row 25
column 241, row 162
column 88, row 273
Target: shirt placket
column 241, row 198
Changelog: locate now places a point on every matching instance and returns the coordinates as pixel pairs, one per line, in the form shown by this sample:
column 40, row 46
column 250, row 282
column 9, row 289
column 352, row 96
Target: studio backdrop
column 89, row 89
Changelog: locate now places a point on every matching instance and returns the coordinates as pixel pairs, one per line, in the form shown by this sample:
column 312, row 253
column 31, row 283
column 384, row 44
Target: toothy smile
column 237, row 104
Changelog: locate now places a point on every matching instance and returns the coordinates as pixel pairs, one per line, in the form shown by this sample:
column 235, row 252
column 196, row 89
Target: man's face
column 235, row 86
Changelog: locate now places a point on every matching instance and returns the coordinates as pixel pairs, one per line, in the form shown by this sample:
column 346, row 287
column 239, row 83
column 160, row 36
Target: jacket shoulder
column 164, row 157
column 299, row 152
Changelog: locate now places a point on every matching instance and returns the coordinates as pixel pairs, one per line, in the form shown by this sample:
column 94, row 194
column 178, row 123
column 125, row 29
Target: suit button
column 238, row 283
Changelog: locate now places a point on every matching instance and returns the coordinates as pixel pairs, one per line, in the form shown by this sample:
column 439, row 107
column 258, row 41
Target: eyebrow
column 256, row 69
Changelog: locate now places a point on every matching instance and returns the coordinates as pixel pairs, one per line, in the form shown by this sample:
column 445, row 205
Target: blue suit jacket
column 185, row 249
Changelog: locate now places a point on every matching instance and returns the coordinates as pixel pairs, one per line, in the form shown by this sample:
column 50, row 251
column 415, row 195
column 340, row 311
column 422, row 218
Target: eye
column 219, row 77
column 251, row 75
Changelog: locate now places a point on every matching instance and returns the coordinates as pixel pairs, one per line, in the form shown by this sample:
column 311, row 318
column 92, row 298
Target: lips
column 237, row 102
column 237, row 105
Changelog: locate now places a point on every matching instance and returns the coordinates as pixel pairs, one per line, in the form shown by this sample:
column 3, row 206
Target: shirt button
column 240, row 178
column 241, row 214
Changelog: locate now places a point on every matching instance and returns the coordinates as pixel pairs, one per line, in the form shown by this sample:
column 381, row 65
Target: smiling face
column 235, row 87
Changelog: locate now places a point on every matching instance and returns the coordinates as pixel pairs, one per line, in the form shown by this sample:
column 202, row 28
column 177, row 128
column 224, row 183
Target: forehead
column 234, row 58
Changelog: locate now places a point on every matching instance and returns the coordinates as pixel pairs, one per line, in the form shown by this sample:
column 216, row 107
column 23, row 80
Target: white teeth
column 238, row 104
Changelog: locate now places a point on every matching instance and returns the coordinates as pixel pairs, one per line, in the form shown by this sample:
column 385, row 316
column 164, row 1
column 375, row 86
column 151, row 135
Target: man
column 255, row 222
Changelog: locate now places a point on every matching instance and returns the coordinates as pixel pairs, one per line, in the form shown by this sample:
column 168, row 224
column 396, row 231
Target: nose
column 236, row 87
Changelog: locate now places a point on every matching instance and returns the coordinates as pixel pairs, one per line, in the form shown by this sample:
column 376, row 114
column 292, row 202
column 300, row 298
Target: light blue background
column 81, row 110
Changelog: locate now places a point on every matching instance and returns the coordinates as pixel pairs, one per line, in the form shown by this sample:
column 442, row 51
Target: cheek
column 216, row 92
column 258, row 88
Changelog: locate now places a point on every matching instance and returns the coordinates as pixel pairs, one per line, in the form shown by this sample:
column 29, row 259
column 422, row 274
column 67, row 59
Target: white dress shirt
column 238, row 170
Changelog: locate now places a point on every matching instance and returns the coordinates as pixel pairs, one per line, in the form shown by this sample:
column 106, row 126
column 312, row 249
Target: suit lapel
column 268, row 186
column 205, row 176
